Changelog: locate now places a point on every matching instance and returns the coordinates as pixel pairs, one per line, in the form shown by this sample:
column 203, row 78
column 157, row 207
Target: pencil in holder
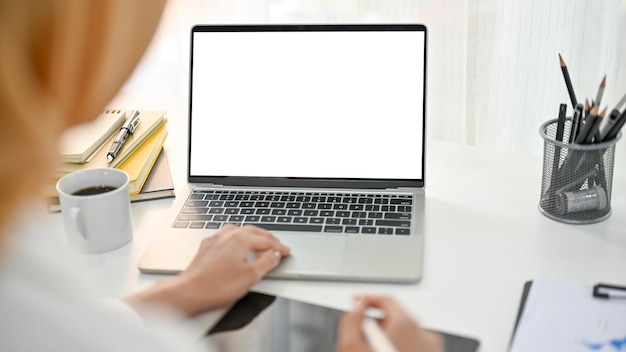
column 577, row 179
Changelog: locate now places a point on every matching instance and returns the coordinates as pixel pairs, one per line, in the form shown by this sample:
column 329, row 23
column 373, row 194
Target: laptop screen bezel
column 307, row 182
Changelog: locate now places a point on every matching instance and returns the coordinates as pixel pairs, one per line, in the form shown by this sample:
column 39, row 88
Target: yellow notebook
column 150, row 122
column 138, row 165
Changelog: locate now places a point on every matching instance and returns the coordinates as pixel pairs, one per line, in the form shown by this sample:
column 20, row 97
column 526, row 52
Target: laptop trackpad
column 311, row 255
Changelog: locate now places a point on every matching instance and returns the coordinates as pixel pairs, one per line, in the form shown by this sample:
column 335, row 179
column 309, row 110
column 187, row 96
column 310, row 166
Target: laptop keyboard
column 348, row 213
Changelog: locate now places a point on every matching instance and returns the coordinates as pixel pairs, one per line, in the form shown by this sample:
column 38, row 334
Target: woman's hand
column 223, row 270
column 399, row 327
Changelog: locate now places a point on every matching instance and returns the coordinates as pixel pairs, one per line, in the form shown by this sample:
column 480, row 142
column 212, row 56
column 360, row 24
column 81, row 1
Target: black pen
column 127, row 129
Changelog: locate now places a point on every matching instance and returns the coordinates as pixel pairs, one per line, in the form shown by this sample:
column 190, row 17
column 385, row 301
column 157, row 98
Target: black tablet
column 254, row 305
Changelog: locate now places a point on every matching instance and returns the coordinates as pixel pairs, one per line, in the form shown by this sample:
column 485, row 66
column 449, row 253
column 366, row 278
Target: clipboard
column 561, row 316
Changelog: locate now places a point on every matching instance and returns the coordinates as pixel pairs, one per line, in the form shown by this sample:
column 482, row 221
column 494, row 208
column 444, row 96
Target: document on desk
column 561, row 316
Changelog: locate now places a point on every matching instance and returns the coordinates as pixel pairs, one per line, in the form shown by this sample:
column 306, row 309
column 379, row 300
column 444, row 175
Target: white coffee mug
column 95, row 204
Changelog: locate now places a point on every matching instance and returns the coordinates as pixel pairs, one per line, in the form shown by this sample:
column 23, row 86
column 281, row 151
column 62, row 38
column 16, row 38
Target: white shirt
column 48, row 305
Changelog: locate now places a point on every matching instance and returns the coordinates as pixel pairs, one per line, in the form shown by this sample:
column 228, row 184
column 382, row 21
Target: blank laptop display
column 314, row 132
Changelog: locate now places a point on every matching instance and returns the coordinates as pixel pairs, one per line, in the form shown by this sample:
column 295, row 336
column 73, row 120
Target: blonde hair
column 61, row 61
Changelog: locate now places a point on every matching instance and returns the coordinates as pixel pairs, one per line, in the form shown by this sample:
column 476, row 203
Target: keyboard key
column 395, row 223
column 342, row 214
column 253, row 218
column 231, row 211
column 375, row 215
column 368, row 230
column 334, row 229
column 316, row 220
column 220, row 218
column 356, row 207
column 196, row 203
column 358, row 214
column 333, row 221
column 288, row 227
column 366, row 222
column 311, row 212
column 381, row 201
column 352, row 229
column 301, row 220
column 262, row 204
column 194, row 217
column 216, row 210
column 181, row 224
column 268, row 218
column 327, row 213
column 277, row 205
column 295, row 212
column 247, row 211
column 340, row 206
column 385, row 231
column 236, row 218
column 279, row 211
column 348, row 221
column 292, row 205
column 196, row 196
column 402, row 201
column 197, row 225
column 212, row 225
column 263, row 211
column 194, row 211
column 284, row 219
column 402, row 231
column 365, row 201
column 216, row 203
column 398, row 216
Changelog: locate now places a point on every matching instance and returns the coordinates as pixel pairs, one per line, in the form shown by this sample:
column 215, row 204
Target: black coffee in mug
column 89, row 191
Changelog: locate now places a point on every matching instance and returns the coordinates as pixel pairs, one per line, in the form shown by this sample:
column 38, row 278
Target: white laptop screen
column 308, row 102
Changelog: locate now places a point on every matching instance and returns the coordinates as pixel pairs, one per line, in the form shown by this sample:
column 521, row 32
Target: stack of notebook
column 86, row 146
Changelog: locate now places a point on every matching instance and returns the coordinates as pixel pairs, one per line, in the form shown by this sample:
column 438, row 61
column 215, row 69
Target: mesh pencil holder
column 577, row 178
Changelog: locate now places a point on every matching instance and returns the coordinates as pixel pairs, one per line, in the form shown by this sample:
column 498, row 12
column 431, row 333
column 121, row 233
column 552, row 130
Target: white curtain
column 493, row 67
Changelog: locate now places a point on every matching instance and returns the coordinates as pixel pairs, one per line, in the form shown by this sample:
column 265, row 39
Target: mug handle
column 79, row 222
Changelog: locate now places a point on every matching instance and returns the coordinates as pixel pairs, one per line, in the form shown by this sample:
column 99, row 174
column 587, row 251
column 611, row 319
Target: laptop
column 314, row 132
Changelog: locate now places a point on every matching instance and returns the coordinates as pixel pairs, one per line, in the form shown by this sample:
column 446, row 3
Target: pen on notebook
column 375, row 336
column 126, row 130
column 568, row 82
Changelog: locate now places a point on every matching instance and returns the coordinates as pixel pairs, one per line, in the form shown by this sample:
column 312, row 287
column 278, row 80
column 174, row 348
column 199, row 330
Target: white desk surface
column 485, row 238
